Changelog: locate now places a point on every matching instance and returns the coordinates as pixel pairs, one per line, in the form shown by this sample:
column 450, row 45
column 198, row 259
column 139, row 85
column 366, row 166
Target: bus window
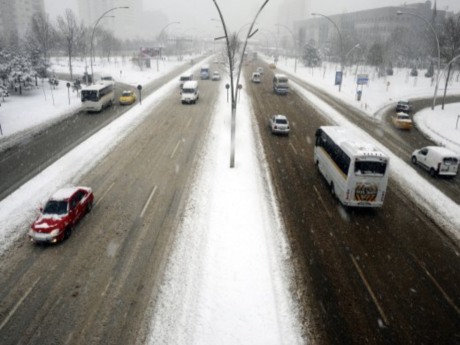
column 370, row 168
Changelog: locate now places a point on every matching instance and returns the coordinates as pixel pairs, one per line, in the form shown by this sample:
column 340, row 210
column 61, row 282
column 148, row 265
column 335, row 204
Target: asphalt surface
column 95, row 287
column 379, row 276
column 385, row 276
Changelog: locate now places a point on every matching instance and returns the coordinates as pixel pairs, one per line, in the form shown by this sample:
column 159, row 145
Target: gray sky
column 197, row 14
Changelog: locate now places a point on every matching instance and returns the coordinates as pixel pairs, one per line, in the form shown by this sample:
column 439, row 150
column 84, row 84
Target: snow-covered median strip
column 443, row 210
column 226, row 280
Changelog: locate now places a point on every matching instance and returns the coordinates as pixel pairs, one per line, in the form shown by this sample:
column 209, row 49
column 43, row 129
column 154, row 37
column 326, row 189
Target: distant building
column 16, row 16
column 369, row 26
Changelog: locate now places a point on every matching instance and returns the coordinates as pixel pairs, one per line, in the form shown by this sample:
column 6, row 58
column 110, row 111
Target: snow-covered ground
column 220, row 309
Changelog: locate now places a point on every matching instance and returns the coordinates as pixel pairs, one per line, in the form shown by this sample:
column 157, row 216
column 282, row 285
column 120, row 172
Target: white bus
column 97, row 96
column 356, row 171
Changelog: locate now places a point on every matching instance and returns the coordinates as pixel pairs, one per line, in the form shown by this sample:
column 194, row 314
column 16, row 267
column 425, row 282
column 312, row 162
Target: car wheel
column 432, row 172
column 333, row 190
column 68, row 232
column 414, row 159
column 89, row 207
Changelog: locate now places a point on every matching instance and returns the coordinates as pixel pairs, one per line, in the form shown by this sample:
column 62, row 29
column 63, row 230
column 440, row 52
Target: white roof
column 66, row 193
column 99, row 85
column 190, row 84
column 443, row 151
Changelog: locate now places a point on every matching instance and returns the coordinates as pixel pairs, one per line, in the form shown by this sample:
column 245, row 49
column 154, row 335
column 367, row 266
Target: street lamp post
column 162, row 31
column 230, row 59
column 341, row 44
column 439, row 51
column 295, row 45
column 92, row 36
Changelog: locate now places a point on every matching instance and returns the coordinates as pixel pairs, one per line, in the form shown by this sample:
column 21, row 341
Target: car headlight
column 54, row 233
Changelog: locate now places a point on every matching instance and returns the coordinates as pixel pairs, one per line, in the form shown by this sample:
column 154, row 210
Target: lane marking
column 148, row 201
column 293, row 148
column 189, row 122
column 106, row 287
column 369, row 290
column 105, row 193
column 175, row 149
column 322, row 202
column 18, row 304
column 445, row 295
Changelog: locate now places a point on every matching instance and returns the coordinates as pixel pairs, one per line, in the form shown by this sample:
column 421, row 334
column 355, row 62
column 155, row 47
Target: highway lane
column 95, row 287
column 29, row 154
column 386, row 276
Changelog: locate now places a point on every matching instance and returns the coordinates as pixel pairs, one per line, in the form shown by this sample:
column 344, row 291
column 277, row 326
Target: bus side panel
column 331, row 172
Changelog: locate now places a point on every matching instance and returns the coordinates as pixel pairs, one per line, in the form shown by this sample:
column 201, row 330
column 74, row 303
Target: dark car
column 61, row 213
column 403, row 106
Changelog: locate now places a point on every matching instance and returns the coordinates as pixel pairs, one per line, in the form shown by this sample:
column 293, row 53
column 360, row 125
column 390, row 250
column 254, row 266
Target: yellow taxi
column 127, row 97
column 402, row 121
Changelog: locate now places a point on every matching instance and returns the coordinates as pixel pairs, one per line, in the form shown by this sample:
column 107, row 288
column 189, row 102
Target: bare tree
column 42, row 35
column 71, row 35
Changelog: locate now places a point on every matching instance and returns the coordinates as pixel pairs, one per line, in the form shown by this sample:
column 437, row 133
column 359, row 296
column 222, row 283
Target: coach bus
column 98, row 96
column 356, row 171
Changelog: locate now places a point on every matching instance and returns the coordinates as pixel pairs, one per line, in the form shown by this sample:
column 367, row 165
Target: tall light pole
column 399, row 13
column 341, row 44
column 295, row 45
column 92, row 35
column 230, row 60
column 162, row 31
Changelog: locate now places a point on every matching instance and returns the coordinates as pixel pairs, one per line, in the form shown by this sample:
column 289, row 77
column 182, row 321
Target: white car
column 215, row 76
column 255, row 77
column 437, row 160
column 279, row 124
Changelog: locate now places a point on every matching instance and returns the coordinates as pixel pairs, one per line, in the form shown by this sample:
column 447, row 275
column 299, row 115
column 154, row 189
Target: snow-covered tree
column 71, row 33
column 310, row 56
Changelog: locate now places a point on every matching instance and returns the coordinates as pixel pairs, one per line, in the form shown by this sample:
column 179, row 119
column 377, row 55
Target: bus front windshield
column 366, row 167
column 89, row 95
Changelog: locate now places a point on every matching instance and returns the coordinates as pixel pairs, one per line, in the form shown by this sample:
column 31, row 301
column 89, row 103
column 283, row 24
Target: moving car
column 184, row 78
column 127, row 97
column 280, row 84
column 255, row 77
column 61, row 213
column 215, row 76
column 279, row 124
column 190, row 92
column 437, row 160
column 402, row 121
column 404, row 106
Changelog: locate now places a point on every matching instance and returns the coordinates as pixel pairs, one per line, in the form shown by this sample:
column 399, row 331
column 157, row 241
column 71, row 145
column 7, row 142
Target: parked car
column 215, row 76
column 61, row 213
column 402, row 120
column 279, row 124
column 437, row 160
column 404, row 105
column 127, row 97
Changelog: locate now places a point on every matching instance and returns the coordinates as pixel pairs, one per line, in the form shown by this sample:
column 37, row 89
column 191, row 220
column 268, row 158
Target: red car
column 61, row 213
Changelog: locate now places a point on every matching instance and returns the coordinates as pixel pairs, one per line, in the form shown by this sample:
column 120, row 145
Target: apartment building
column 16, row 16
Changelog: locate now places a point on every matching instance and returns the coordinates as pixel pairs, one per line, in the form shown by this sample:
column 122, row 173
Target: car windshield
column 188, row 90
column 55, row 207
column 281, row 121
column 403, row 117
column 126, row 93
column 183, row 78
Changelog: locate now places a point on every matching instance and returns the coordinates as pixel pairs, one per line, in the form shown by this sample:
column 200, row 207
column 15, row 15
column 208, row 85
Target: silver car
column 279, row 124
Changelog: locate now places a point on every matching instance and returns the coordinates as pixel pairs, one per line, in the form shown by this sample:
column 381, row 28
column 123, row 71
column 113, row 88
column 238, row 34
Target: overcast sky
column 197, row 13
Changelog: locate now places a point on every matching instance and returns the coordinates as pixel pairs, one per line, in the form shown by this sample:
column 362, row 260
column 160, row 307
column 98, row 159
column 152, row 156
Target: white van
column 280, row 84
column 255, row 77
column 190, row 92
column 437, row 160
